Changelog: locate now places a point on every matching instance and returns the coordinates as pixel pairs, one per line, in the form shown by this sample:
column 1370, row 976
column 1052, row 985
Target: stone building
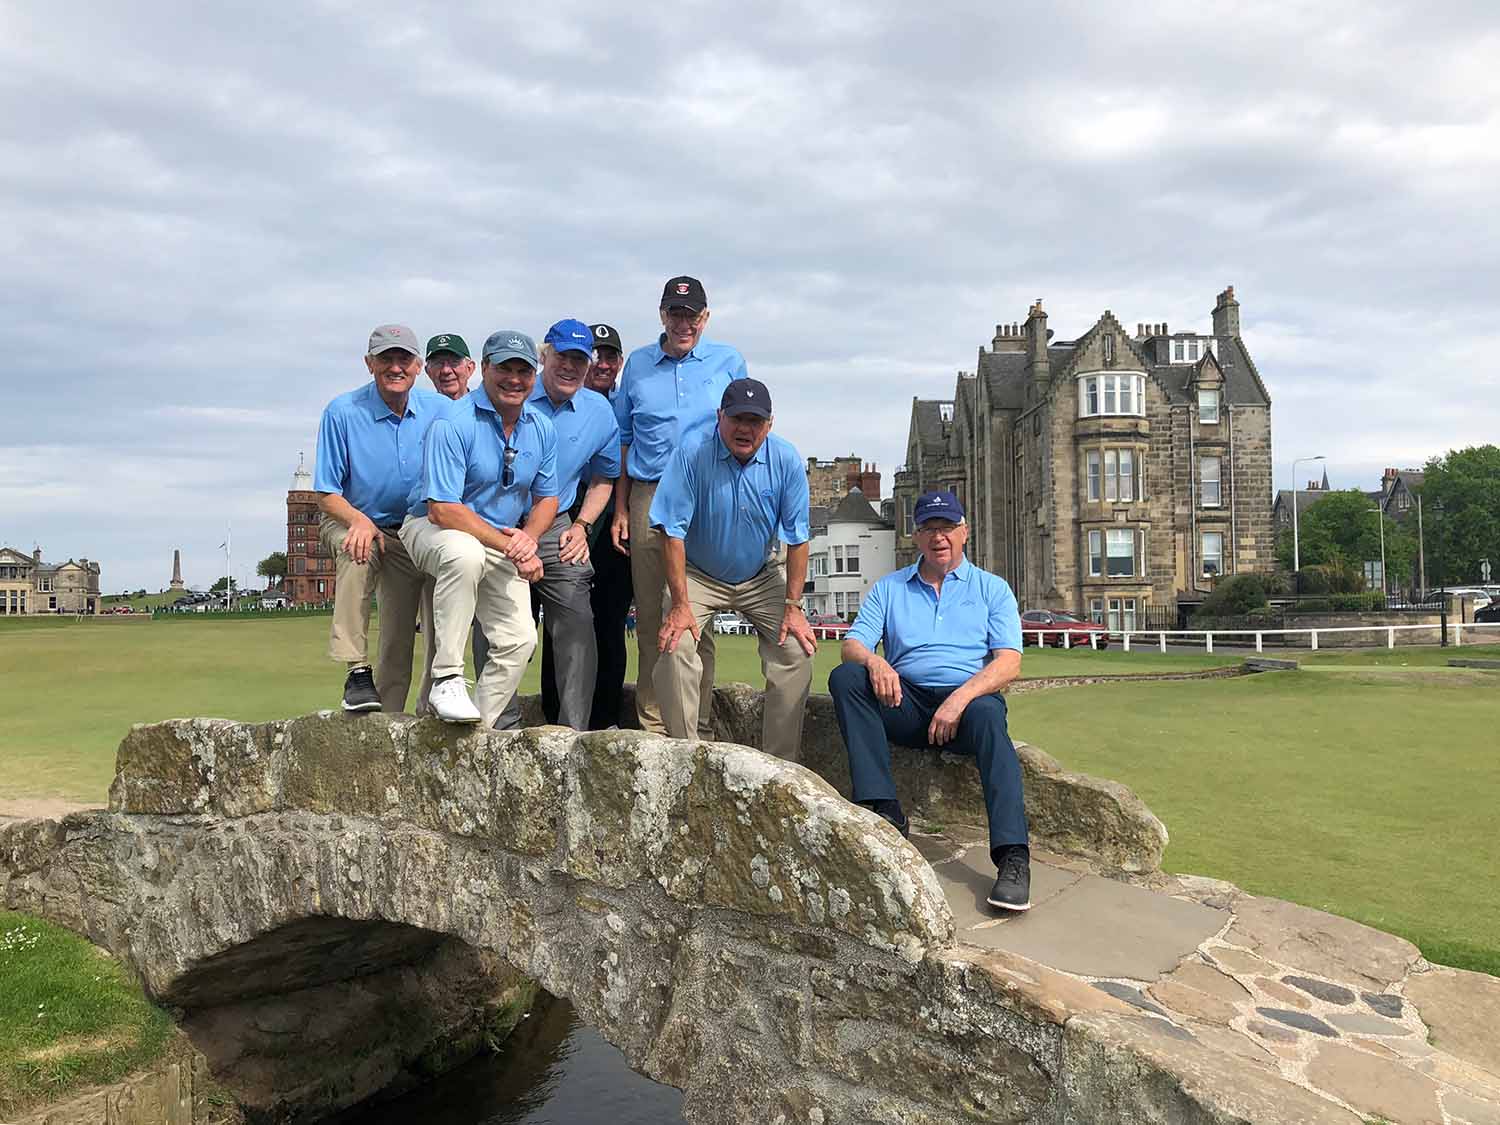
column 828, row 482
column 30, row 586
column 1117, row 475
column 309, row 566
column 1399, row 489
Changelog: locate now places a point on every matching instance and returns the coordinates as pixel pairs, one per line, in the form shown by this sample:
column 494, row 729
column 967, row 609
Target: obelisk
column 177, row 583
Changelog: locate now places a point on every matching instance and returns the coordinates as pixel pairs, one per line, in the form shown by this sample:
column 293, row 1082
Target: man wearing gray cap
column 369, row 458
column 487, row 458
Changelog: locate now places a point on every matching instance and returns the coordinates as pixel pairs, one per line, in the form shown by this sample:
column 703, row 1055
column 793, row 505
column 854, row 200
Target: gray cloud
column 204, row 211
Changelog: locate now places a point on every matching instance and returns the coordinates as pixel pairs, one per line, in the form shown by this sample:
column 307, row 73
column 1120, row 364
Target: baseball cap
column 684, row 292
column 389, row 336
column 746, row 396
column 937, row 506
column 606, row 337
column 570, row 336
column 509, row 344
column 448, row 342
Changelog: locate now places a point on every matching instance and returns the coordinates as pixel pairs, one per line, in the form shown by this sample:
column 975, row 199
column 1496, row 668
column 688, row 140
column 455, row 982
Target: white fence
column 1456, row 630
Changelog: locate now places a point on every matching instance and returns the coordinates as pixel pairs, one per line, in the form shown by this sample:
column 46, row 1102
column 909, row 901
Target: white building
column 852, row 547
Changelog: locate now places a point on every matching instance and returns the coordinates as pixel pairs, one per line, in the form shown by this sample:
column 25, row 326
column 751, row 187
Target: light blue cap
column 509, row 344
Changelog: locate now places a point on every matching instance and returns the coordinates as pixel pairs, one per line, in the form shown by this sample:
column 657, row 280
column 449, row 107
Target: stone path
column 1356, row 1016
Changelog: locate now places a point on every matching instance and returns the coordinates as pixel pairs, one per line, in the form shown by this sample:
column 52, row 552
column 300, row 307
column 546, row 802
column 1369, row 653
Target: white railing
column 1206, row 636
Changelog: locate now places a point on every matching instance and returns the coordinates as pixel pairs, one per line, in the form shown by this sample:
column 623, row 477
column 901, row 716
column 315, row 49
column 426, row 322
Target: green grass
column 1367, row 794
column 1424, row 657
column 69, row 1015
column 150, row 601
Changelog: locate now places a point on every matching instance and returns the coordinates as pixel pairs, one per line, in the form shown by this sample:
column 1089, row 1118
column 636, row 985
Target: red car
column 1059, row 629
column 828, row 626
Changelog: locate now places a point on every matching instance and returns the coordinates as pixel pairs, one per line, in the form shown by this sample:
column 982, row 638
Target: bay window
column 1111, row 394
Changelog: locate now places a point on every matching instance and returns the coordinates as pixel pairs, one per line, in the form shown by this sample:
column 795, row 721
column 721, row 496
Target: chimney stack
column 1227, row 314
column 1008, row 338
column 869, row 483
column 1037, row 368
column 36, row 556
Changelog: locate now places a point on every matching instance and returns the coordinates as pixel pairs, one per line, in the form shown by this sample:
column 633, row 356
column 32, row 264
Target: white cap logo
column 602, row 331
column 515, row 342
column 749, row 394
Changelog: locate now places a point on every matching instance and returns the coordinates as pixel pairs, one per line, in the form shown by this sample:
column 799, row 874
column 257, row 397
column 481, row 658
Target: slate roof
column 817, row 516
column 1305, row 500
column 928, row 422
column 854, row 508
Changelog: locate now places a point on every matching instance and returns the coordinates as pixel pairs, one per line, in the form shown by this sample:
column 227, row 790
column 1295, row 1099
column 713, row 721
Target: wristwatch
column 588, row 527
column 794, row 602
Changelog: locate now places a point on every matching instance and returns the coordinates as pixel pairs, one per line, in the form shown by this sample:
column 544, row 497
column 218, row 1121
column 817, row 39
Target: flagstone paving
column 1346, row 1012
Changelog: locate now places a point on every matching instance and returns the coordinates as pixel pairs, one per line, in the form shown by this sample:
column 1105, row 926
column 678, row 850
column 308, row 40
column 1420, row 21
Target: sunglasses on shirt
column 508, row 477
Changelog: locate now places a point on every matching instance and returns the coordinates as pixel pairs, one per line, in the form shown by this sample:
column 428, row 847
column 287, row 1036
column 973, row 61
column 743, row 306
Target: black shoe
column 1012, row 890
column 890, row 812
column 359, row 691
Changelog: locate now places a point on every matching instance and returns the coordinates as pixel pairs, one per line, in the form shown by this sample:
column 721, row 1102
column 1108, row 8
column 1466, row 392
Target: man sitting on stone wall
column 951, row 637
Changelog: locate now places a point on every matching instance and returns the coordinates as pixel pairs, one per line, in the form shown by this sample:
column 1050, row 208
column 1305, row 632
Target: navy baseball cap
column 570, row 336
column 746, row 396
column 684, row 293
column 937, row 506
column 509, row 344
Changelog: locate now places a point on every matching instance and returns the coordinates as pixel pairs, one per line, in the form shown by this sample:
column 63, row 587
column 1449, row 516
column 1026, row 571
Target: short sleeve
column 331, row 461
column 675, row 501
column 606, row 459
column 1004, row 628
column 445, row 463
column 869, row 623
column 794, row 502
column 621, row 405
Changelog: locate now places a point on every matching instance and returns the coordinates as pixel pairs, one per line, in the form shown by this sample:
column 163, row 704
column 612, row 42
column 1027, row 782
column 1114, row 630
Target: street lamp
column 1380, row 516
column 1439, row 507
column 1296, row 539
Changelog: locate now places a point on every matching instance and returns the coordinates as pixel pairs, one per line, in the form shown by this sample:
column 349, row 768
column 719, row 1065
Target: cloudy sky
column 204, row 209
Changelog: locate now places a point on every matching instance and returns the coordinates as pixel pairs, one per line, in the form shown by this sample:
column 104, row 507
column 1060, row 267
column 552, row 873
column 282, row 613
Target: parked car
column 828, row 626
column 1489, row 615
column 724, row 623
column 1059, row 629
column 1479, row 597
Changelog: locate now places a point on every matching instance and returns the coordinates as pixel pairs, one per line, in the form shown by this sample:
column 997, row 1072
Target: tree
column 1461, row 513
column 218, row 586
column 273, row 568
column 1343, row 528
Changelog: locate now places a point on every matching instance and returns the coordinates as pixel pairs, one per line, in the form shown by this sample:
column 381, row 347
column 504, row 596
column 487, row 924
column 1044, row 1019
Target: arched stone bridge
column 318, row 896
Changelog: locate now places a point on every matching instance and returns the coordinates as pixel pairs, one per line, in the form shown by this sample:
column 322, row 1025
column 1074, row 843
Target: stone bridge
column 326, row 901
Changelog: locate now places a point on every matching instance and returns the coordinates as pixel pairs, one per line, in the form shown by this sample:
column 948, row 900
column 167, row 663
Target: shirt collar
column 959, row 573
column 541, row 395
column 658, row 353
column 725, row 454
column 481, row 399
column 378, row 407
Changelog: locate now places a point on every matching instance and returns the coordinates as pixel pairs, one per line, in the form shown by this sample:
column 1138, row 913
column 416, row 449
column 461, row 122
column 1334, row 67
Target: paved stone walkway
column 1352, row 1014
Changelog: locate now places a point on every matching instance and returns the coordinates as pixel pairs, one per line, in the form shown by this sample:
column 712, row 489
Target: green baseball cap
column 448, row 342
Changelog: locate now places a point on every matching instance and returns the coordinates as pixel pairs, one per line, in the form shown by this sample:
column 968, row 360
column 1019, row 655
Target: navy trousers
column 868, row 727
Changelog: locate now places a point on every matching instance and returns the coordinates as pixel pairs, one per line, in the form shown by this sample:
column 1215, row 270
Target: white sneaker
column 450, row 701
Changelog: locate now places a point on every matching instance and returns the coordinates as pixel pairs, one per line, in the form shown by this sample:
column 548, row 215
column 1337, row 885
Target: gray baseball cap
column 389, row 336
column 509, row 344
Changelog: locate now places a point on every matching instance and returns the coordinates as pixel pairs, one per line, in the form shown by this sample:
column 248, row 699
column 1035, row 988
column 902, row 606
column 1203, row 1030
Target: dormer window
column 1208, row 405
column 1111, row 394
column 945, row 411
column 1191, row 350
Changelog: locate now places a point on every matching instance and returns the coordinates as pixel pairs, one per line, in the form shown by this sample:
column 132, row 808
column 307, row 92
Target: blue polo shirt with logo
column 661, row 401
column 729, row 515
column 588, row 439
column 371, row 456
column 463, row 461
column 933, row 641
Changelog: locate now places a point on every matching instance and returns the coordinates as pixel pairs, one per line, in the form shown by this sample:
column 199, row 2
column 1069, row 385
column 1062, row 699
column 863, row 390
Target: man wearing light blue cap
column 588, row 460
column 487, row 459
column 951, row 638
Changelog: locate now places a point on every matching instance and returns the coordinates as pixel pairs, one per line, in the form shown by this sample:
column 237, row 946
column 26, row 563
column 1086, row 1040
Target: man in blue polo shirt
column 668, row 393
column 952, row 641
column 723, row 502
column 588, row 461
column 369, row 457
column 487, row 458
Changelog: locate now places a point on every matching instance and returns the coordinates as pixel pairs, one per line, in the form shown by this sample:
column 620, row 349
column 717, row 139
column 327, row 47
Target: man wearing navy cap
column 723, row 503
column 951, row 638
column 588, row 461
column 369, row 457
column 668, row 393
column 487, row 458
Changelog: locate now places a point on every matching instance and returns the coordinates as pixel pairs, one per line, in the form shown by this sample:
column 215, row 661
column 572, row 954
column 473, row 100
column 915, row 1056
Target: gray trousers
column 568, row 619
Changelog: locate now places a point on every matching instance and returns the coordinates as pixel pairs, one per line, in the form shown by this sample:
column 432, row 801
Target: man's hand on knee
column 363, row 541
column 884, row 681
column 680, row 620
column 945, row 721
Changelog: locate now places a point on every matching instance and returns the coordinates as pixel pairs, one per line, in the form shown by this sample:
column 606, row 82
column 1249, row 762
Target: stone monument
column 177, row 582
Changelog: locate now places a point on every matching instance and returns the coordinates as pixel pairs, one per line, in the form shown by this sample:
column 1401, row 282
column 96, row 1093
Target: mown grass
column 148, row 602
column 70, row 1016
column 1370, row 794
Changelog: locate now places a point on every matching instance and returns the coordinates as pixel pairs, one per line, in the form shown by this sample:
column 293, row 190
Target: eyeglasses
column 393, row 357
column 687, row 316
column 508, row 477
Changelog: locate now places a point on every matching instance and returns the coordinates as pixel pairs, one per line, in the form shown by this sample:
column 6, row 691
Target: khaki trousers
column 648, row 574
column 397, row 584
column 788, row 670
column 473, row 582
